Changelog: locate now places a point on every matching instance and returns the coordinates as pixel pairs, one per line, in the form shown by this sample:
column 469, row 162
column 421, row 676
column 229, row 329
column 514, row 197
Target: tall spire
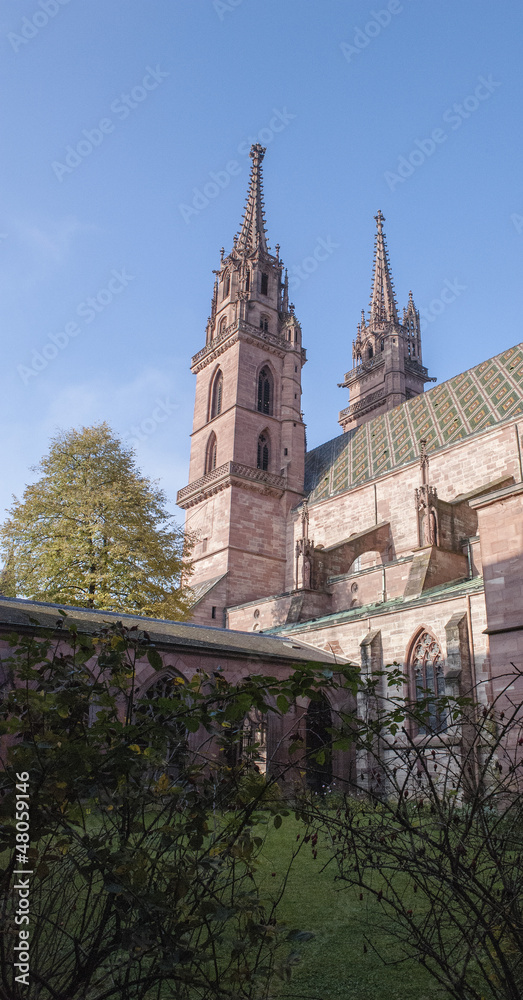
column 252, row 233
column 383, row 307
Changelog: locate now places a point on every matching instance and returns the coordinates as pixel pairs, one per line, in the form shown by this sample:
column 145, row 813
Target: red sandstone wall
column 398, row 628
column 501, row 534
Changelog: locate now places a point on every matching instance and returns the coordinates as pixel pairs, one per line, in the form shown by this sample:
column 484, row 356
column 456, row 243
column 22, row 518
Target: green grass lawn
column 334, row 965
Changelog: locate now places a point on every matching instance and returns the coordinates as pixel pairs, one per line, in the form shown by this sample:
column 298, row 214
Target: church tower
column 386, row 353
column 248, row 440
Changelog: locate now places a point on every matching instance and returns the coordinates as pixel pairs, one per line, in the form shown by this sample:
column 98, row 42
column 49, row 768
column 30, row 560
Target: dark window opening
column 285, row 451
column 265, row 391
column 247, row 280
column 263, row 453
column 174, row 749
column 210, row 454
column 264, row 323
column 264, row 288
column 245, row 743
column 318, row 720
column 213, row 611
column 216, row 396
column 370, row 352
column 226, row 286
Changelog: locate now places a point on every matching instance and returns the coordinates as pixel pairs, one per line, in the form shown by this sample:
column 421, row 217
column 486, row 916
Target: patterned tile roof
column 467, row 404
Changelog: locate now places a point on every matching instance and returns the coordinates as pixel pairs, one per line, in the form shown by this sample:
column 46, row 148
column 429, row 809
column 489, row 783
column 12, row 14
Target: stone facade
column 402, row 533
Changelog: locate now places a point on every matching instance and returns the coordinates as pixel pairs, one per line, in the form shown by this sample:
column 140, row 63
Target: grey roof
column 201, row 589
column 18, row 614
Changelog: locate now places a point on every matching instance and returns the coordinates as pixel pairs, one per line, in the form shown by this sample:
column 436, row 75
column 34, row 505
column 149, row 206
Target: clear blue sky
column 339, row 91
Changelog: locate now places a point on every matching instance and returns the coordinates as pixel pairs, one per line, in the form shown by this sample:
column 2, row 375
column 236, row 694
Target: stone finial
column 424, row 462
column 383, row 306
column 305, row 519
column 252, row 232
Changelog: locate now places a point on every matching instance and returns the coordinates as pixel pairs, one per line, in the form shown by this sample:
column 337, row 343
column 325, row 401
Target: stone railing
column 246, row 327
column 411, row 365
column 213, row 343
column 223, row 472
column 369, row 402
column 362, row 368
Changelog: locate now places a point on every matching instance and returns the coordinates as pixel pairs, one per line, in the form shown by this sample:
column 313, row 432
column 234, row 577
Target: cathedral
column 399, row 540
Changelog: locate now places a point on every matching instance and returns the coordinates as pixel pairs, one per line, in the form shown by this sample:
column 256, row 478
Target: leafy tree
column 143, row 840
column 94, row 532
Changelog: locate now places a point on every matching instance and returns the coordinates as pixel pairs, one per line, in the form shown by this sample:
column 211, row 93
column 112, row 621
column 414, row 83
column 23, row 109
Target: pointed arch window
column 264, row 323
column 247, row 741
column 223, row 326
column 211, row 453
column 176, row 737
column 216, row 395
column 263, row 455
column 428, row 681
column 318, row 721
column 248, row 280
column 226, row 286
column 264, row 284
column 265, row 391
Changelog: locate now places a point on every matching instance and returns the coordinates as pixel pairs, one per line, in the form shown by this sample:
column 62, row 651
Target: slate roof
column 20, row 615
column 200, row 590
column 467, row 404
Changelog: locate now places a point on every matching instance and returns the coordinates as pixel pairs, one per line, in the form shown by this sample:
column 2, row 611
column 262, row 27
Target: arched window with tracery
column 263, row 452
column 210, row 454
column 154, row 704
column 216, row 395
column 223, row 326
column 245, row 742
column 265, row 391
column 428, row 682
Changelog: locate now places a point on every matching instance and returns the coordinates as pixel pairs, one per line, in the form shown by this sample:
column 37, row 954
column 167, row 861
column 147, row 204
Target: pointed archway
column 318, row 721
